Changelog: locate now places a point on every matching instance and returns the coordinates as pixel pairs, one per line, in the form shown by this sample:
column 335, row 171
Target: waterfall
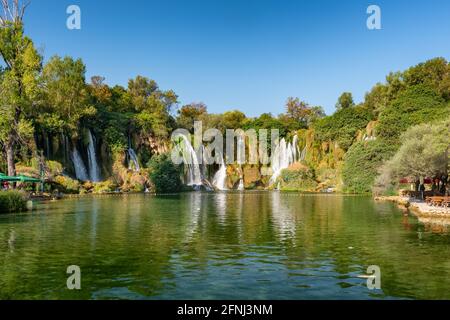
column 241, row 186
column 47, row 144
column 133, row 160
column 220, row 177
column 204, row 165
column 303, row 154
column 284, row 155
column 80, row 169
column 194, row 175
column 94, row 171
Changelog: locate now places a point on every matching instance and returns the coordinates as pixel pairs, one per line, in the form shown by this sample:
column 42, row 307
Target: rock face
column 252, row 177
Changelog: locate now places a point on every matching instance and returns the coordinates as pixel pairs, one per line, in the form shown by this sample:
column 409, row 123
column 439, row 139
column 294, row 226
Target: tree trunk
column 10, row 159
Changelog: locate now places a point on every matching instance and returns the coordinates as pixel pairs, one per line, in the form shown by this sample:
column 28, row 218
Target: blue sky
column 248, row 55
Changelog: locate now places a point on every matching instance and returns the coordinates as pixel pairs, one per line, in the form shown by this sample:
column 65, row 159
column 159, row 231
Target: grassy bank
column 12, row 201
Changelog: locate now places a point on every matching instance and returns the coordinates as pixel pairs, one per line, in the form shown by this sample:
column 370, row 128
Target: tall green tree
column 19, row 79
column 66, row 100
column 345, row 101
column 153, row 106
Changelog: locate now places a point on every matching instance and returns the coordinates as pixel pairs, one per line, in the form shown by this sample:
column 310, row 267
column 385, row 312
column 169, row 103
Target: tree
column 164, row 174
column 65, row 94
column 234, row 119
column 362, row 162
column 153, row 106
column 190, row 113
column 343, row 126
column 415, row 105
column 345, row 101
column 297, row 110
column 19, row 78
column 424, row 153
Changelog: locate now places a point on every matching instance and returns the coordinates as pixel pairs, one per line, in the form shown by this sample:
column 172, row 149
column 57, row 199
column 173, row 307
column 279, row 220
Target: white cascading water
column 94, row 171
column 194, row 175
column 303, row 154
column 241, row 186
column 80, row 168
column 284, row 155
column 133, row 160
column 220, row 177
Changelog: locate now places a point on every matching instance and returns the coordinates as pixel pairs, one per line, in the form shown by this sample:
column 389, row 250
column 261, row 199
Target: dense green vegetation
column 362, row 162
column 417, row 104
column 12, row 201
column 165, row 175
column 343, row 126
column 50, row 112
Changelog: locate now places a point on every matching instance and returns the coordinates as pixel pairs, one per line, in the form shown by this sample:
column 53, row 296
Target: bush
column 298, row 178
column 12, row 201
column 67, row 185
column 164, row 175
column 343, row 126
column 362, row 163
column 107, row 186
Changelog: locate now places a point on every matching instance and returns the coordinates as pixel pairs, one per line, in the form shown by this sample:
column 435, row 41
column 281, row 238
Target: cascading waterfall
column 284, row 155
column 303, row 154
column 133, row 160
column 220, row 177
column 204, row 167
column 94, row 171
column 241, row 186
column 80, row 168
column 194, row 175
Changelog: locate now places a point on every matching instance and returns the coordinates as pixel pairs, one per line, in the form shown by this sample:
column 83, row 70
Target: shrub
column 298, row 177
column 343, row 126
column 12, row 201
column 164, row 175
column 66, row 184
column 104, row 187
column 362, row 163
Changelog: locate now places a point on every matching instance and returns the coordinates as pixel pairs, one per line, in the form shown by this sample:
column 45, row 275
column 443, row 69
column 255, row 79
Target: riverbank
column 419, row 208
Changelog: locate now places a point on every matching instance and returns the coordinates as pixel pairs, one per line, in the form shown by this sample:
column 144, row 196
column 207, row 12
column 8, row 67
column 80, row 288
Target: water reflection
column 283, row 218
column 250, row 245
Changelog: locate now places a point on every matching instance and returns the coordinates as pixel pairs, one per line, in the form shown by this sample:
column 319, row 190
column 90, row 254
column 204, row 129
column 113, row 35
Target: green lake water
column 253, row 245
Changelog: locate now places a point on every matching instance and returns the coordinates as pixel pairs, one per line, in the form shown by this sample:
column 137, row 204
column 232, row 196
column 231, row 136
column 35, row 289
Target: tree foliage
column 164, row 174
column 424, row 152
column 345, row 101
column 362, row 162
column 343, row 126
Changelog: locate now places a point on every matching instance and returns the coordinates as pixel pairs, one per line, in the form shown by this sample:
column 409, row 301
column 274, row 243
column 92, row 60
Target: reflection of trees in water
column 145, row 244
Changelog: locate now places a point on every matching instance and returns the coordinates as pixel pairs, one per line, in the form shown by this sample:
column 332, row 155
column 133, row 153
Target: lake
column 252, row 245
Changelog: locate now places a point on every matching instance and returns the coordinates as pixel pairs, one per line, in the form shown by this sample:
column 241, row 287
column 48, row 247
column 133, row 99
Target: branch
column 13, row 11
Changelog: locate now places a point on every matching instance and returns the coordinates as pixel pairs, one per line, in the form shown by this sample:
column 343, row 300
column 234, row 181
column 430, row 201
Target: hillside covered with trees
column 53, row 121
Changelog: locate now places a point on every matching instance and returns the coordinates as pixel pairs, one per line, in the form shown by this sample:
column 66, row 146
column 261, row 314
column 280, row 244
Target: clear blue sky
column 248, row 55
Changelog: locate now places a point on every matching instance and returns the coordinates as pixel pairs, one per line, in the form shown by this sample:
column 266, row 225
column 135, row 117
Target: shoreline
column 419, row 209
